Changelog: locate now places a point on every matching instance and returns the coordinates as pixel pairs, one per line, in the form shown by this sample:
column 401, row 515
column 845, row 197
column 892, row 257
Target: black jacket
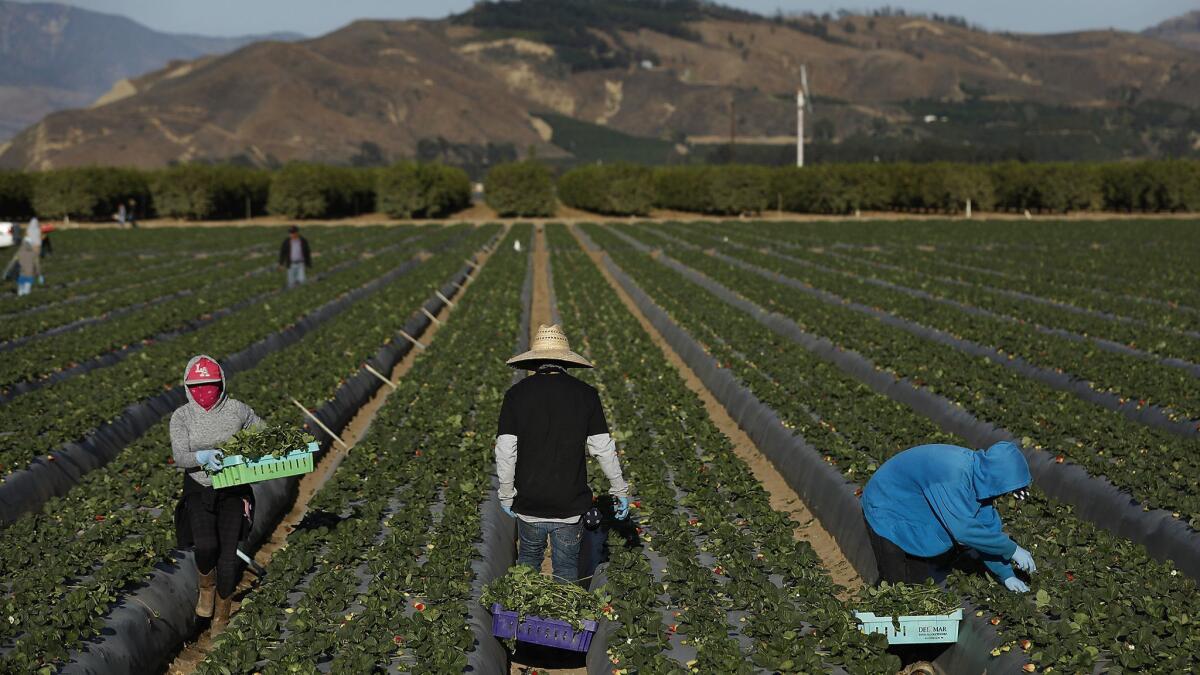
column 552, row 417
column 285, row 253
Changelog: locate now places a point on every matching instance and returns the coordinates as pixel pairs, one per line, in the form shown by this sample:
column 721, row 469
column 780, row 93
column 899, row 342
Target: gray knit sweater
column 194, row 429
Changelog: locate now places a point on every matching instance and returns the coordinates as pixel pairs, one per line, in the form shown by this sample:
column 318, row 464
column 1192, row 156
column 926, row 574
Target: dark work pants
column 218, row 518
column 896, row 565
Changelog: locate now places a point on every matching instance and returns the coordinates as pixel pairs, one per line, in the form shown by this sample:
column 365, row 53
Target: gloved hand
column 1024, row 560
column 210, row 459
column 1016, row 585
column 621, row 510
column 507, row 508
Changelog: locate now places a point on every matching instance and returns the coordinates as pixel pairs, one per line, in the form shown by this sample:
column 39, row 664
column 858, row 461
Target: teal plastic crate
column 236, row 471
column 913, row 629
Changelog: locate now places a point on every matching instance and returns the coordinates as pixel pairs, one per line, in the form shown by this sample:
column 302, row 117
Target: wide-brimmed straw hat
column 549, row 345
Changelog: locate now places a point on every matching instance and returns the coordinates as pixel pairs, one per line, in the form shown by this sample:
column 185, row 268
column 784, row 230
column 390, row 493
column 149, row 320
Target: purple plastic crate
column 539, row 631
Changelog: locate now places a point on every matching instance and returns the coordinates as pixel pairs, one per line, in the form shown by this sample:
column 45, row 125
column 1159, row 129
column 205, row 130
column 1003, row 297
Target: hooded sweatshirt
column 930, row 497
column 194, row 429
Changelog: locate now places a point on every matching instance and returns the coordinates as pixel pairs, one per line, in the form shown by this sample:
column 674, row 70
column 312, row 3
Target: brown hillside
column 376, row 91
column 1183, row 31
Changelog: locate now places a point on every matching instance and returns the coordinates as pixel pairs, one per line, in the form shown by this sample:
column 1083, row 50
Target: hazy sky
column 314, row 17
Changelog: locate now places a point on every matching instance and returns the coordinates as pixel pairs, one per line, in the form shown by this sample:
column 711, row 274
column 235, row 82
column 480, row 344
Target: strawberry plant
column 530, row 593
column 1094, row 596
column 267, row 441
column 78, row 409
column 379, row 573
column 723, row 579
column 116, row 525
column 1103, row 441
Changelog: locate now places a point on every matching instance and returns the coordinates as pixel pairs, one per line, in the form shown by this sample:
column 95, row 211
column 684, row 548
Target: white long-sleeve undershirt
column 600, row 446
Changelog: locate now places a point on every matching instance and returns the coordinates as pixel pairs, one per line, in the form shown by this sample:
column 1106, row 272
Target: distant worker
column 131, row 214
column 925, row 500
column 547, row 421
column 121, row 215
column 27, row 259
column 47, row 247
column 295, row 256
column 217, row 519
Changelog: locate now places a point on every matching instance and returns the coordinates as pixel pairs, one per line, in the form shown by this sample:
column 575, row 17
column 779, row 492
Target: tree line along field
column 529, row 188
column 843, row 343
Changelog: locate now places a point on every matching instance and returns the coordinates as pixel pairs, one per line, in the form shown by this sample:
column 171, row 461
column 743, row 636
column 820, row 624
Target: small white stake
column 413, row 340
column 444, row 298
column 320, row 423
column 431, row 317
column 378, row 374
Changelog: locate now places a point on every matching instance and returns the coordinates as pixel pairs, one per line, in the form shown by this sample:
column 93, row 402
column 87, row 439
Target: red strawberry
column 419, row 606
column 99, row 518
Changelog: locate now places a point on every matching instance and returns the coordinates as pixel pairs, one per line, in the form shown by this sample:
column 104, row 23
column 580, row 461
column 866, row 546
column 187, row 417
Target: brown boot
column 208, row 592
column 221, row 616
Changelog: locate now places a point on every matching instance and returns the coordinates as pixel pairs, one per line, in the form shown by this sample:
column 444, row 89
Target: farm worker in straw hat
column 925, row 500
column 215, row 518
column 547, row 422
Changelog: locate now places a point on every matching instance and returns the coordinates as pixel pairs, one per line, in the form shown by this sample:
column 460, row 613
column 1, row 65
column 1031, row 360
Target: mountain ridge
column 1182, row 31
column 55, row 56
column 480, row 86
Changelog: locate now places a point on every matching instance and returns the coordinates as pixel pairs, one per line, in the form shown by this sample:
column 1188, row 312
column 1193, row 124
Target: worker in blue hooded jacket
column 925, row 500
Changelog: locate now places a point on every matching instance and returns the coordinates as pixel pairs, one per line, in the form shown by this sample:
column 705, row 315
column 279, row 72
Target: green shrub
column 411, row 190
column 90, row 193
column 614, row 189
column 16, row 194
column 301, row 190
column 521, row 189
column 722, row 190
column 203, row 192
column 682, row 188
column 1058, row 187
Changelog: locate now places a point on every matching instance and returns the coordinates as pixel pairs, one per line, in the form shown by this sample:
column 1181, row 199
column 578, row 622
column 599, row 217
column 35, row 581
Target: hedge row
column 412, row 190
column 211, row 192
column 618, row 189
column 200, row 192
column 521, row 189
column 1153, row 186
column 524, row 189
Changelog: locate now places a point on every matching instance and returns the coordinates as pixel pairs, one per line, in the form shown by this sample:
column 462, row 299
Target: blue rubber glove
column 1023, row 560
column 1016, row 585
column 622, row 508
column 507, row 508
column 210, row 459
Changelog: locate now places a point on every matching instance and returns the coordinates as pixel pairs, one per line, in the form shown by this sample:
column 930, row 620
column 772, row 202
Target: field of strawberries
column 833, row 346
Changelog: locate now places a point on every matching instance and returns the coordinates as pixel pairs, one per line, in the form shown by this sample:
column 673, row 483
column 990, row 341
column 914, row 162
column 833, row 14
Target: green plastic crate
column 913, row 629
column 235, row 471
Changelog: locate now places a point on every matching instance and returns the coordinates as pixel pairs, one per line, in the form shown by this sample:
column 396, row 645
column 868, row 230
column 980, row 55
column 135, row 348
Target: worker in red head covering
column 217, row 518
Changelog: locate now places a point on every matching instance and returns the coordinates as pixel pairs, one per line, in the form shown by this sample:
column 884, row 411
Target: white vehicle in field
column 7, row 237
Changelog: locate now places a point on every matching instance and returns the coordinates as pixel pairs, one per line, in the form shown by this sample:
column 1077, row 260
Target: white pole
column 799, row 127
column 320, row 423
column 378, row 374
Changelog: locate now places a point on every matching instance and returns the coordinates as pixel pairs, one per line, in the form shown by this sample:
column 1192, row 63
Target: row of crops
column 1098, row 600
column 67, row 566
column 1079, row 341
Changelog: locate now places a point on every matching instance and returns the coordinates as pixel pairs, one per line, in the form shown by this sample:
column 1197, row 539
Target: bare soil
column 195, row 652
column 528, row 660
column 782, row 497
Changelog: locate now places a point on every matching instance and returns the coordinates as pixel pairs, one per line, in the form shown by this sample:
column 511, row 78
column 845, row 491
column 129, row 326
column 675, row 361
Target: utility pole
column 803, row 103
column 732, row 126
column 799, row 127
